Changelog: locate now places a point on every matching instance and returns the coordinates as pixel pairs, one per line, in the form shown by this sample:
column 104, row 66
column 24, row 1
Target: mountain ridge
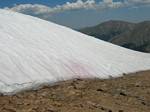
column 108, row 29
column 134, row 36
column 137, row 39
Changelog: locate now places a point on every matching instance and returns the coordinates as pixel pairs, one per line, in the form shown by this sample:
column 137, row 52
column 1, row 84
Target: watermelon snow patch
column 34, row 52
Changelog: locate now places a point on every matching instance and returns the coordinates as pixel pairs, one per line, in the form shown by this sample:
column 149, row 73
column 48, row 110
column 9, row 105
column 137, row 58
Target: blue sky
column 4, row 3
column 82, row 13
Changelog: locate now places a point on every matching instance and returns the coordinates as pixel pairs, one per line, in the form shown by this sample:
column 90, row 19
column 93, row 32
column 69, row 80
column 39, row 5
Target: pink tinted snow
column 80, row 70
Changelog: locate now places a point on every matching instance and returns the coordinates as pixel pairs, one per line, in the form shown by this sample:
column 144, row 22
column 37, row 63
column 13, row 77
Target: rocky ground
column 130, row 93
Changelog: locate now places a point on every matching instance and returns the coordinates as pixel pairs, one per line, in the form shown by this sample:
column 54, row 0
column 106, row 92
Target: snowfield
column 35, row 52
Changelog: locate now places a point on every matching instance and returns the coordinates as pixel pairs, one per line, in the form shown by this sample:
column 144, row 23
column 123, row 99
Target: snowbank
column 35, row 52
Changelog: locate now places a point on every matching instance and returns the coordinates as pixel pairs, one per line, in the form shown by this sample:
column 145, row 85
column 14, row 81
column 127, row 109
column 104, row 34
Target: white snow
column 35, row 52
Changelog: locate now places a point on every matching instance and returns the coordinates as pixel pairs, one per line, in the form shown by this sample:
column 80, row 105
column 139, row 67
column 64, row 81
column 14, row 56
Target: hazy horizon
column 82, row 13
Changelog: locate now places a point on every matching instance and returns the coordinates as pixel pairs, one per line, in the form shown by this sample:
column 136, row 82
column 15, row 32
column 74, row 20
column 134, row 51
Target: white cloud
column 38, row 9
column 44, row 11
column 108, row 1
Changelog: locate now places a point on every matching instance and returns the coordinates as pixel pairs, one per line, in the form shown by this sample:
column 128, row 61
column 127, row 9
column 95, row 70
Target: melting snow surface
column 35, row 52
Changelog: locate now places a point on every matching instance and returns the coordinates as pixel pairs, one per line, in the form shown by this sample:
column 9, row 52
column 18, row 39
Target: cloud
column 38, row 9
column 45, row 12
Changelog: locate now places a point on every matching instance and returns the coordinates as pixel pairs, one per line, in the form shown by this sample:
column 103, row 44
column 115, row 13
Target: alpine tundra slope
column 35, row 52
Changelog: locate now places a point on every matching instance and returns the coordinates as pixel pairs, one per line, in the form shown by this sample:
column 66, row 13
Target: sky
column 81, row 13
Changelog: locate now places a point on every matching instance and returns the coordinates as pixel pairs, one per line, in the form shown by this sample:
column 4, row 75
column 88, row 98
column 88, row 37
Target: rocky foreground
column 130, row 93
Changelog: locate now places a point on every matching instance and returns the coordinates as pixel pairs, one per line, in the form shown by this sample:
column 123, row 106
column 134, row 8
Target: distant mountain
column 137, row 39
column 108, row 30
column 129, row 35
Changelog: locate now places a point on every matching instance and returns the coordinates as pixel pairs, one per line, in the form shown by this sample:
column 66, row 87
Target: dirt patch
column 130, row 93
